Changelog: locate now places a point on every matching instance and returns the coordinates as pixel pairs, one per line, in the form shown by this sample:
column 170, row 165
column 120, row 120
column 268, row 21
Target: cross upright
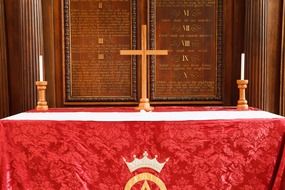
column 144, row 101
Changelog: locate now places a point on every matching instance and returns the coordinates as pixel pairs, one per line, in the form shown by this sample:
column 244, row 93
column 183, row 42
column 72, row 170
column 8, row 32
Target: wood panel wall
column 4, row 100
column 274, row 36
column 237, row 46
column 256, row 51
column 282, row 66
column 263, row 34
column 32, row 47
column 49, row 7
column 252, row 26
column 25, row 44
column 228, row 53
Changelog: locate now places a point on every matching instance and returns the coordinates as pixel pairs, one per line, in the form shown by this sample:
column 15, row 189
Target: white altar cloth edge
column 143, row 116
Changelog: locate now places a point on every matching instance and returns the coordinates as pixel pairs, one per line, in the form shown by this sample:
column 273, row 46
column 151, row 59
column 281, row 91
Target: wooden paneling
column 262, row 48
column 31, row 40
column 228, row 80
column 236, row 48
column 273, row 54
column 49, row 50
column 250, row 26
column 256, row 52
column 58, row 49
column 225, row 28
column 24, row 33
column 12, row 11
column 282, row 66
column 4, row 100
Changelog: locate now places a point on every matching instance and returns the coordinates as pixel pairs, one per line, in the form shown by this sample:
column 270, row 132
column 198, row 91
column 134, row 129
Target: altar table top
column 145, row 116
column 201, row 148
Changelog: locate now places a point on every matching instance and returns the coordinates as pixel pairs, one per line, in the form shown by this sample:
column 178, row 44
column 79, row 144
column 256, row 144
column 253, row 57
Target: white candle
column 242, row 67
column 41, row 68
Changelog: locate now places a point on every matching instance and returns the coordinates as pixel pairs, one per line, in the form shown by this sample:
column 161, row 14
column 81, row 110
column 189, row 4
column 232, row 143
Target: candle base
column 144, row 105
column 242, row 102
column 42, row 103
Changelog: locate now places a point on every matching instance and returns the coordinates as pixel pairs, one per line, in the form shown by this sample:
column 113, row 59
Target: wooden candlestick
column 242, row 102
column 42, row 103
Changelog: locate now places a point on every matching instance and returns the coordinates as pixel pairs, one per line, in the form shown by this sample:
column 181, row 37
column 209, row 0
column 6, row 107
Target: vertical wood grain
column 32, row 47
column 49, row 49
column 24, row 45
column 274, row 36
column 282, row 67
column 58, row 58
column 256, row 52
column 237, row 46
column 228, row 33
column 4, row 98
column 262, row 45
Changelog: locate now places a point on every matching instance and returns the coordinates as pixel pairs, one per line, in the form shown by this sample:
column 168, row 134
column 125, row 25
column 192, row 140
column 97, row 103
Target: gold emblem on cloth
column 145, row 162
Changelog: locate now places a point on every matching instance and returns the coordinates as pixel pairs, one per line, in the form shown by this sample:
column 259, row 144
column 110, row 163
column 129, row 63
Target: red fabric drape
column 220, row 154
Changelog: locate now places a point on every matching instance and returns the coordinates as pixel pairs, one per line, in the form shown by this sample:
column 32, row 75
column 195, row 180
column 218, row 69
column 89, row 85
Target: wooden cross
column 144, row 101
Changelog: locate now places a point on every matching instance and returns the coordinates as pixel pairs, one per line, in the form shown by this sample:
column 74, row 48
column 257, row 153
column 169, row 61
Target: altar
column 117, row 148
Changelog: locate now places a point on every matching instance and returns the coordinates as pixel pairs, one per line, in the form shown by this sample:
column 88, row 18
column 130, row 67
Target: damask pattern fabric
column 217, row 154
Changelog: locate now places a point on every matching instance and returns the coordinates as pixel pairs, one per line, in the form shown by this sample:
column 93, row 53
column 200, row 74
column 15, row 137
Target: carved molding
column 282, row 68
column 4, row 97
column 256, row 52
column 31, row 47
column 219, row 54
column 68, row 62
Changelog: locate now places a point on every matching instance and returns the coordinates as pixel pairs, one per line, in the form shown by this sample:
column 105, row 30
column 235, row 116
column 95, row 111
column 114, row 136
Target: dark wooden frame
column 4, row 95
column 282, row 66
column 68, row 98
column 220, row 62
column 234, row 13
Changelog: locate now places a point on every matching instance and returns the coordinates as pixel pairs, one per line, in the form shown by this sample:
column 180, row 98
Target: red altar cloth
column 215, row 154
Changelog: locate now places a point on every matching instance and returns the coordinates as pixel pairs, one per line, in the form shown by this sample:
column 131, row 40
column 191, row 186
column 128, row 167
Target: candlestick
column 41, row 68
column 242, row 102
column 42, row 103
column 242, row 67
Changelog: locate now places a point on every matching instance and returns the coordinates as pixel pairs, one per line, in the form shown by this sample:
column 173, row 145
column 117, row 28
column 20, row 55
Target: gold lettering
column 186, row 28
column 186, row 12
column 100, row 5
column 100, row 40
column 185, row 43
column 185, row 58
column 101, row 56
